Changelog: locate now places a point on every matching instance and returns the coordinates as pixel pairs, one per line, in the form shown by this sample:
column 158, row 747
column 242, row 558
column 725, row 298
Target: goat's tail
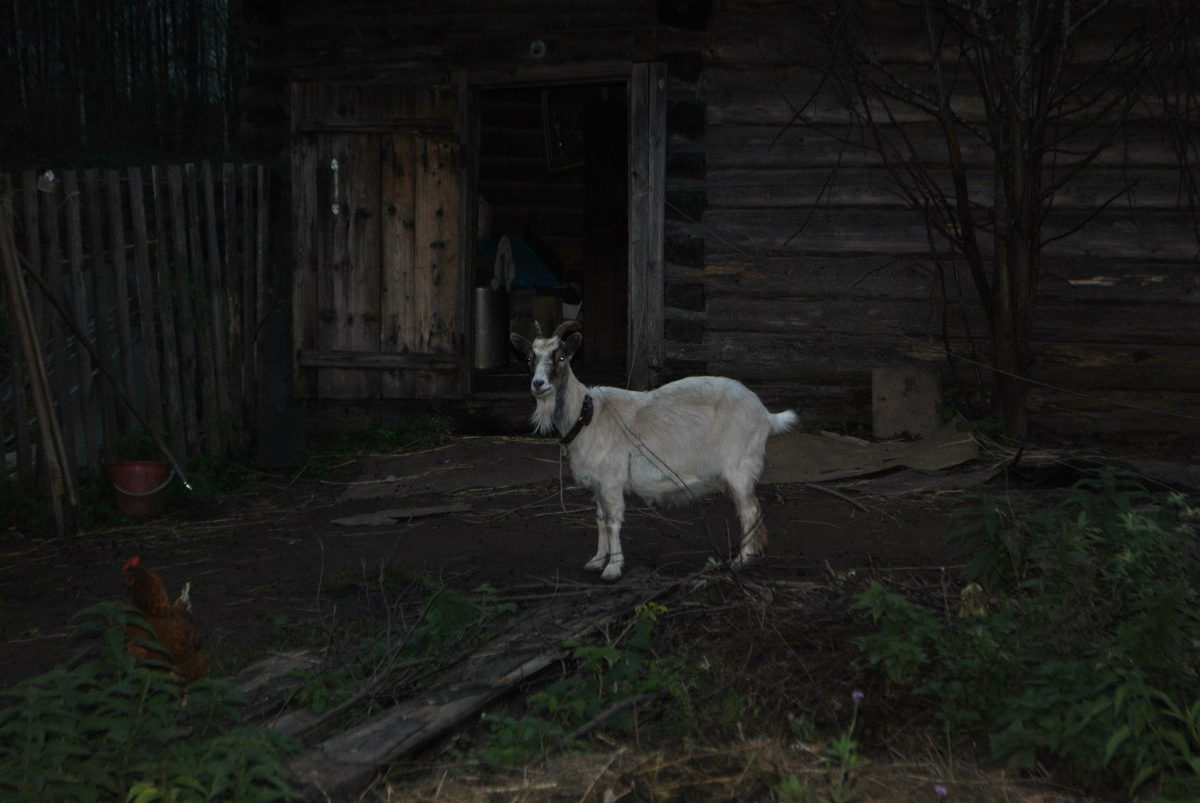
column 782, row 422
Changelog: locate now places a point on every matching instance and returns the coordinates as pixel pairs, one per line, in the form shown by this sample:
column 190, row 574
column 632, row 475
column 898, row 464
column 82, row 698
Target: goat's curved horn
column 567, row 327
column 537, row 331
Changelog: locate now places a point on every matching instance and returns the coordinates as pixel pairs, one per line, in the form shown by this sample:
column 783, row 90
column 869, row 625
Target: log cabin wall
column 812, row 270
column 790, row 262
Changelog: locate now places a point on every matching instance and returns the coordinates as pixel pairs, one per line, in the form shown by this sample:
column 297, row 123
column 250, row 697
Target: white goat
column 673, row 444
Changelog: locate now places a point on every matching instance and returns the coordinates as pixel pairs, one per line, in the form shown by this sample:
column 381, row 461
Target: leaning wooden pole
column 61, row 483
column 101, row 362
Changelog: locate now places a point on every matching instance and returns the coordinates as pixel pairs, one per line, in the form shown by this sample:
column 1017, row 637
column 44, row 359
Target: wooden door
column 378, row 298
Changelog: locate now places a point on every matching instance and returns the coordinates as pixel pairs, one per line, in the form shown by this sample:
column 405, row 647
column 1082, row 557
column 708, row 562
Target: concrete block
column 904, row 401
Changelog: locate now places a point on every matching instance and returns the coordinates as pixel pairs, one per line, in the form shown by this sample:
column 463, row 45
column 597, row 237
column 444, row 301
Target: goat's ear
column 519, row 343
column 572, row 344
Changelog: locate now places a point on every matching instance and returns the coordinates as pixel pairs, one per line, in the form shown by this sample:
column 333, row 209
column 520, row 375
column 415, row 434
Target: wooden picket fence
column 146, row 288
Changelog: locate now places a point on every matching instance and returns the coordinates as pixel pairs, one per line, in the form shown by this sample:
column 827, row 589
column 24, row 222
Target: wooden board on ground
column 385, row 518
column 822, row 456
column 344, row 764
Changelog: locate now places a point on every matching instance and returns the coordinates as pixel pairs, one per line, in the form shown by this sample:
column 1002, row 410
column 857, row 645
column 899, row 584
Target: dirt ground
column 274, row 552
column 289, row 549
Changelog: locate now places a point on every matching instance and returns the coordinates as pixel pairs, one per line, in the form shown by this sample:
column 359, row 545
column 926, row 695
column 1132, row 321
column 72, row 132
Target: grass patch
column 1073, row 644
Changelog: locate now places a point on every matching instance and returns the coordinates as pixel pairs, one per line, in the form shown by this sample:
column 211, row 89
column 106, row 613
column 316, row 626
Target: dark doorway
column 553, row 180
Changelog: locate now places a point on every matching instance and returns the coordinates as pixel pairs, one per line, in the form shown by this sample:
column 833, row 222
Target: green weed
column 446, row 624
column 102, row 728
column 1077, row 642
column 620, row 667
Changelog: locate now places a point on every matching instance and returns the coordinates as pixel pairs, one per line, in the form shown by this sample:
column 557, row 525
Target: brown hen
column 172, row 622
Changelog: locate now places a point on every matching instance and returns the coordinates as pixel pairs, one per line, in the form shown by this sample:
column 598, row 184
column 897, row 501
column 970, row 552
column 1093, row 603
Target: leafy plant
column 447, row 621
column 842, row 762
column 620, row 668
column 103, row 728
column 1083, row 651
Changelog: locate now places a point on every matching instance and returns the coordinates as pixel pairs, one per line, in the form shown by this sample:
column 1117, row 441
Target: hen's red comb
column 129, row 564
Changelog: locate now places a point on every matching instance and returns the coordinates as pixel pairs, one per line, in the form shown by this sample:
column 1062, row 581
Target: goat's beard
column 543, row 414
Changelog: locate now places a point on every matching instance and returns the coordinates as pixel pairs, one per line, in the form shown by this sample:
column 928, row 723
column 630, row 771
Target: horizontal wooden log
column 1111, row 235
column 1054, row 321
column 740, row 94
column 756, row 32
column 745, row 143
column 375, row 360
column 1129, row 414
column 374, row 108
column 767, row 188
column 916, row 278
column 831, row 358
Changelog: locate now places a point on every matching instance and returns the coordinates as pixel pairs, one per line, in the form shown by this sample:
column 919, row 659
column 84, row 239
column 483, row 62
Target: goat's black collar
column 585, row 418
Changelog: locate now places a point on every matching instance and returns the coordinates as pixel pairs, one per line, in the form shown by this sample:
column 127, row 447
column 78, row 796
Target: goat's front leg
column 610, row 512
column 600, row 559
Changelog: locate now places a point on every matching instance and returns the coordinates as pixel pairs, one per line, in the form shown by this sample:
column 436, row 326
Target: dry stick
column 102, row 364
column 60, row 482
column 837, row 494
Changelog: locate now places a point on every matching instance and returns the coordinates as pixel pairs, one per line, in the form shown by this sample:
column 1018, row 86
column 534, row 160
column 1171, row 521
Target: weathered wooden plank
column 647, row 183
column 822, row 187
column 398, row 324
column 231, row 291
column 377, row 108
column 342, row 765
column 149, row 297
column 214, row 291
column 347, row 292
column 181, row 298
column 1111, row 235
column 120, row 277
column 249, row 282
column 377, row 361
column 102, row 297
column 438, row 278
column 392, row 516
column 198, row 288
column 268, row 682
column 306, row 250
column 743, row 144
column 262, row 240
column 797, row 91
column 1054, row 321
column 765, row 34
column 848, row 360
column 65, row 399
column 172, row 371
column 1127, row 414
column 814, row 277
column 89, row 418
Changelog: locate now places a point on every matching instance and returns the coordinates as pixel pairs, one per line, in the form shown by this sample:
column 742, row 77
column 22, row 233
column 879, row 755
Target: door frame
column 645, row 187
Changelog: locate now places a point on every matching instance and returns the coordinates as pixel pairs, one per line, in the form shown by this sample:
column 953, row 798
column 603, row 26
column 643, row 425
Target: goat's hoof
column 743, row 560
column 611, row 573
column 595, row 564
